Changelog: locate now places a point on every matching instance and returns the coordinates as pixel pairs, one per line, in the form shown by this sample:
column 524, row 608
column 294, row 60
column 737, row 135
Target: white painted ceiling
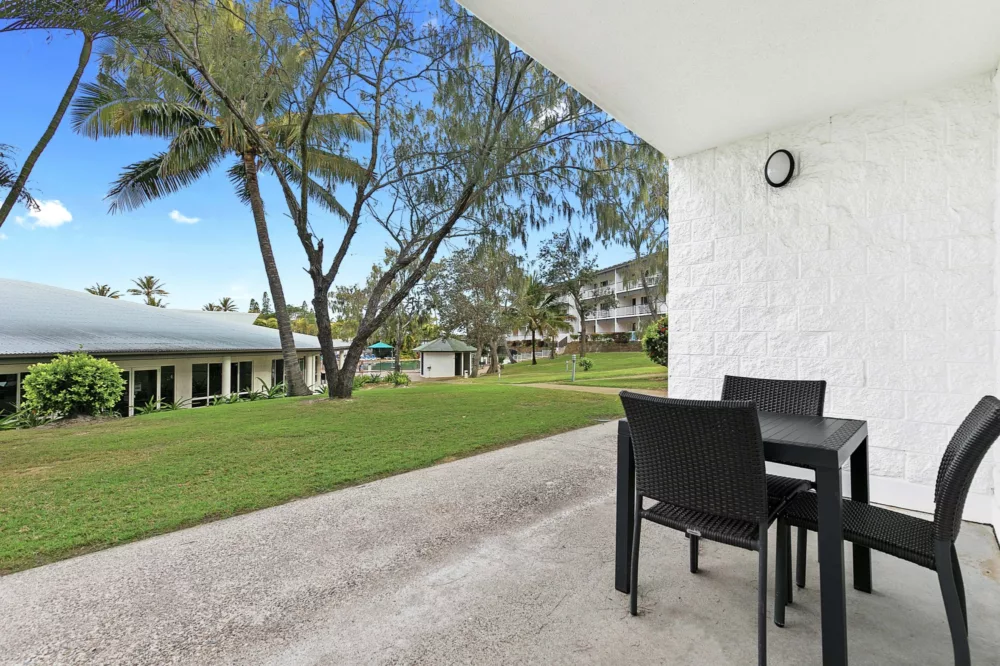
column 687, row 75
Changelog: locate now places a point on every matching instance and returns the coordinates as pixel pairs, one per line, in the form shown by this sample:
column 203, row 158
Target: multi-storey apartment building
column 614, row 303
column 617, row 302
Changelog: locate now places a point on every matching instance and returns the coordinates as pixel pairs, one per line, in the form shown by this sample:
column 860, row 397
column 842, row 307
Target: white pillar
column 227, row 378
column 310, row 370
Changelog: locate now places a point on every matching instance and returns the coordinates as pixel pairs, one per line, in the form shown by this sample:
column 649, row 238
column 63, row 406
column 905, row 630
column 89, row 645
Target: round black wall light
column 779, row 168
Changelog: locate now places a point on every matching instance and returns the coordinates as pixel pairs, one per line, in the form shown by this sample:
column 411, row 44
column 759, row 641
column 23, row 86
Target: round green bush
column 586, row 364
column 654, row 341
column 73, row 384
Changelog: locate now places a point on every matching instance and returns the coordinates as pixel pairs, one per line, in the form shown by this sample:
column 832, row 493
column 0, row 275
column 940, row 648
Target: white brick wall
column 875, row 269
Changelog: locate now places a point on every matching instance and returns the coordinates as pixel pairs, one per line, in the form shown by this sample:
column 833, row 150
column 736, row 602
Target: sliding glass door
column 206, row 383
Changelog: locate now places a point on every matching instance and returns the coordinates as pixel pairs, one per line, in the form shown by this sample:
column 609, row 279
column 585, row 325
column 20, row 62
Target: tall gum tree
column 466, row 133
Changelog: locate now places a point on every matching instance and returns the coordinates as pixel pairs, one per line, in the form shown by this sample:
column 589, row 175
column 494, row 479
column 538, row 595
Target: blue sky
column 198, row 261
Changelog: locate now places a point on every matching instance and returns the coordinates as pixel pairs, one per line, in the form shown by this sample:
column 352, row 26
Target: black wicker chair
column 785, row 396
column 703, row 463
column 930, row 544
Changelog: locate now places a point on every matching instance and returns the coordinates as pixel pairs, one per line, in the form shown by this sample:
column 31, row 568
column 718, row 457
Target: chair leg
column 800, row 559
column 788, row 565
column 781, row 574
column 693, row 549
column 762, row 597
column 960, row 584
column 634, row 573
column 952, row 602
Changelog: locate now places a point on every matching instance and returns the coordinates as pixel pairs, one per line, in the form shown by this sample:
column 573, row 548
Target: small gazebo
column 381, row 350
column 446, row 357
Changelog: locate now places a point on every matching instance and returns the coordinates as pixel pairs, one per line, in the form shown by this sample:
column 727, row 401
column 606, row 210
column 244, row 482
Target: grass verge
column 72, row 490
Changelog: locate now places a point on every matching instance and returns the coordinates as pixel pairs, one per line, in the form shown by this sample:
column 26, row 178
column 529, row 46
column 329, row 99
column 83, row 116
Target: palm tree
column 227, row 304
column 94, row 19
column 139, row 93
column 149, row 288
column 210, row 307
column 540, row 311
column 103, row 290
column 8, row 177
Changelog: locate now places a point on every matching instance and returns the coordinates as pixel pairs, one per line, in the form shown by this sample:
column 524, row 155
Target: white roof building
column 165, row 354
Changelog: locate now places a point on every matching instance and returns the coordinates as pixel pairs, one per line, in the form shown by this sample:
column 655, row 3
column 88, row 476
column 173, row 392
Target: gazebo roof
column 380, row 345
column 445, row 345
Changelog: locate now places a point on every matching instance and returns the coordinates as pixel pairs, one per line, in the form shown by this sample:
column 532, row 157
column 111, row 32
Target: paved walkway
column 505, row 557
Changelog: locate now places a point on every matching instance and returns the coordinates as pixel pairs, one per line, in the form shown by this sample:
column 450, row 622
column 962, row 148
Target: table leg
column 859, row 493
column 833, row 601
column 625, row 507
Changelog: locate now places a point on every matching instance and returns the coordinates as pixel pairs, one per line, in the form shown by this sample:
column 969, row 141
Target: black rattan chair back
column 961, row 460
column 785, row 396
column 701, row 455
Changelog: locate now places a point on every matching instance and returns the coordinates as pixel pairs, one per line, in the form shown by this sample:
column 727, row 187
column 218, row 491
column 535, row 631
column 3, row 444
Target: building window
column 8, row 393
column 167, row 383
column 277, row 371
column 241, row 377
column 604, row 283
column 645, row 301
column 206, row 381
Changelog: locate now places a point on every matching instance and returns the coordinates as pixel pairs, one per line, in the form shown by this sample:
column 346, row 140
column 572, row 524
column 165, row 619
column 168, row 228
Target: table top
column 810, row 441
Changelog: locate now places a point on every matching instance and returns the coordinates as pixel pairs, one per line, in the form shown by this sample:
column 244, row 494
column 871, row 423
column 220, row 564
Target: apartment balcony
column 623, row 311
column 631, row 285
column 618, row 287
column 598, row 292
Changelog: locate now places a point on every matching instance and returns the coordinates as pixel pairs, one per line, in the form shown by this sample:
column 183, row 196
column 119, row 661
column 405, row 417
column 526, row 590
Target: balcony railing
column 617, row 287
column 623, row 311
column 598, row 292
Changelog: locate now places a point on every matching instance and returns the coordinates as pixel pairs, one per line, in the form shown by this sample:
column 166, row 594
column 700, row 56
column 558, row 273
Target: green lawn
column 615, row 369
column 70, row 490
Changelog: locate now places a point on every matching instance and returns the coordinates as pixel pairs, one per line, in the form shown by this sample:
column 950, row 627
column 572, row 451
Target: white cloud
column 3, row 236
column 49, row 214
column 180, row 218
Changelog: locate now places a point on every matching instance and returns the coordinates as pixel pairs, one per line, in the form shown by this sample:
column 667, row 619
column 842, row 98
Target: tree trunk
column 474, row 362
column 294, row 383
column 583, row 328
column 534, row 361
column 494, row 359
column 344, row 386
column 321, row 306
column 36, row 152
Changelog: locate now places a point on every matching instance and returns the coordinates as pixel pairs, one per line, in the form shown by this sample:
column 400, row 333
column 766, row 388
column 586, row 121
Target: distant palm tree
column 149, row 288
column 227, row 304
column 210, row 307
column 103, row 290
column 540, row 311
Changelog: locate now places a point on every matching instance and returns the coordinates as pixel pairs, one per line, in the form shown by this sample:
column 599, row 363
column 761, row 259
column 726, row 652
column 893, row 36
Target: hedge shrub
column 72, row 384
column 654, row 341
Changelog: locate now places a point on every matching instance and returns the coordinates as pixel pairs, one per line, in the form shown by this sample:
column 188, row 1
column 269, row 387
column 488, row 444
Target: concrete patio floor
column 504, row 557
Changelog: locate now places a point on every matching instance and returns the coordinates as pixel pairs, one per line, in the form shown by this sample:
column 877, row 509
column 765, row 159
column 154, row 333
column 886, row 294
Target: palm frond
column 145, row 181
column 238, row 177
column 128, row 19
column 106, row 107
column 193, row 147
column 324, row 126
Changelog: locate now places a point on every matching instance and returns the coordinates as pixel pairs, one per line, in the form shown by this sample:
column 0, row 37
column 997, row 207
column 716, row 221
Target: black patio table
column 821, row 443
